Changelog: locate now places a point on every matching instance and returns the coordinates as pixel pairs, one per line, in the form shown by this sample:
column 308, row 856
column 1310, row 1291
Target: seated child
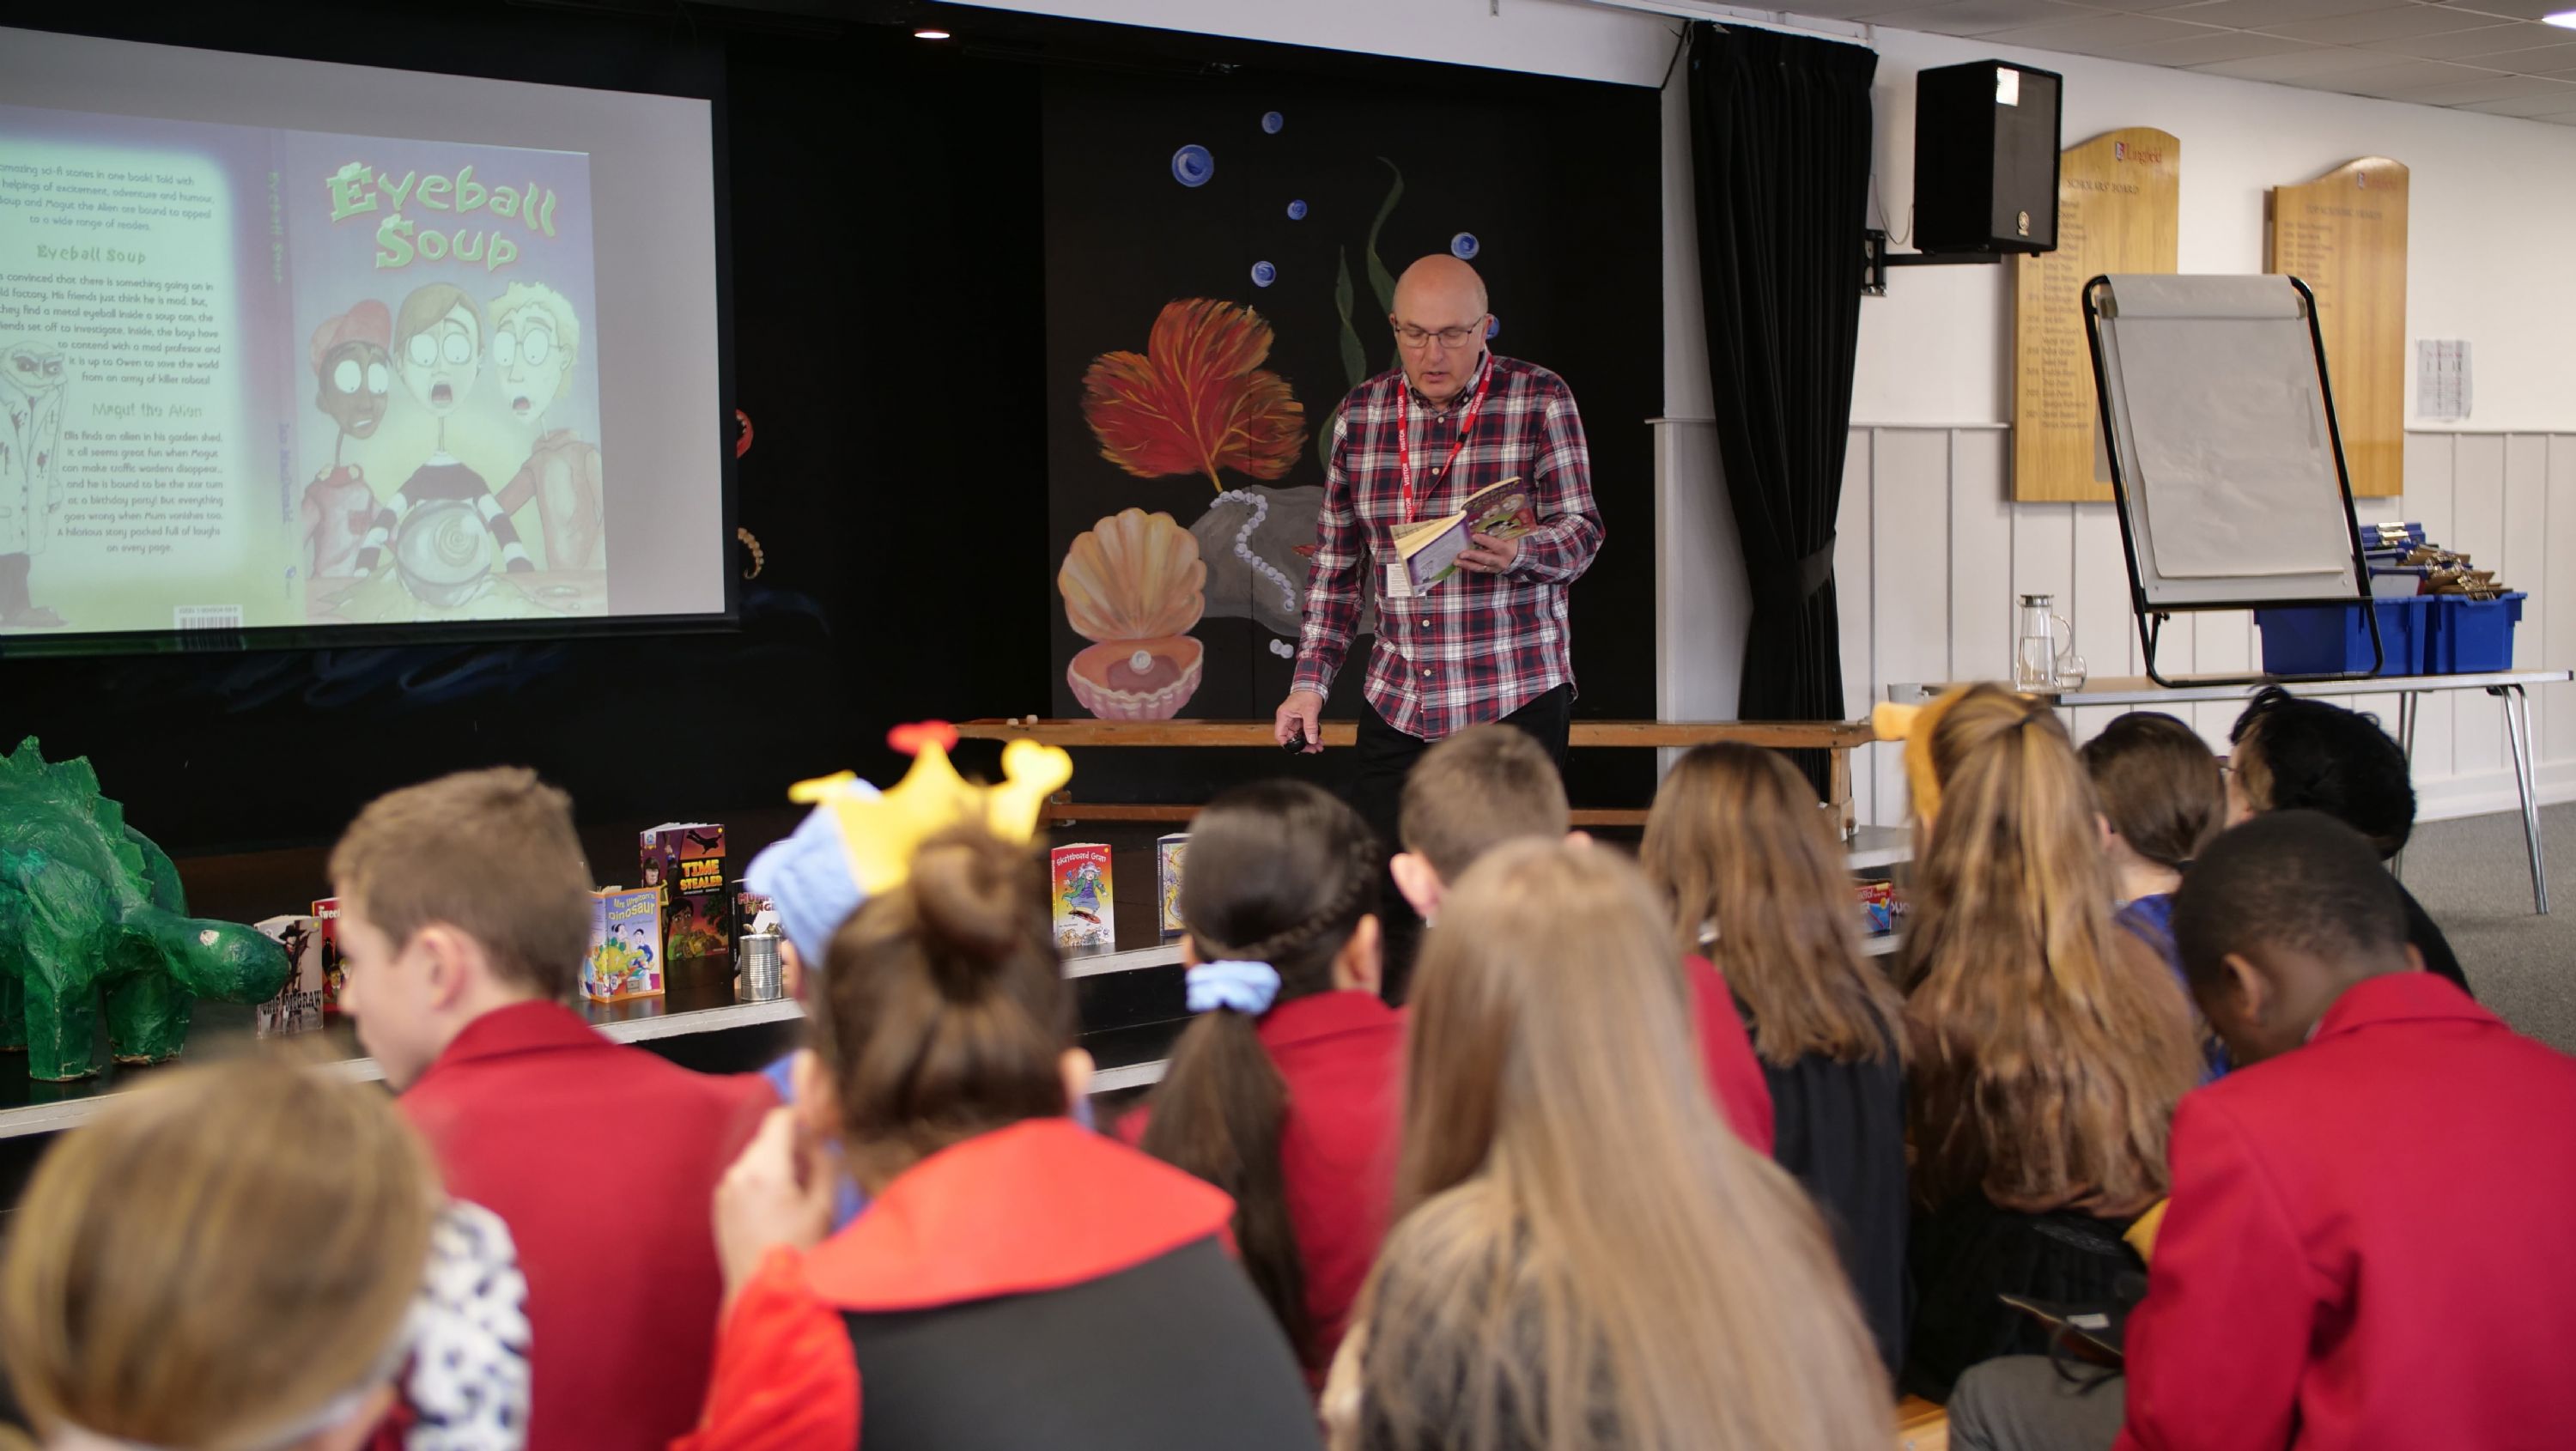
column 2297, row 754
column 2367, row 1243
column 1583, row 1258
column 229, row 1256
column 465, row 912
column 2048, row 1045
column 2162, row 798
column 1736, row 843
column 1487, row 785
column 1016, row 1279
column 1287, row 1088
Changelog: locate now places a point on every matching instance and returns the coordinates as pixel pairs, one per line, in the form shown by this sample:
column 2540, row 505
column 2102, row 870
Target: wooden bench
column 1836, row 737
column 1921, row 1426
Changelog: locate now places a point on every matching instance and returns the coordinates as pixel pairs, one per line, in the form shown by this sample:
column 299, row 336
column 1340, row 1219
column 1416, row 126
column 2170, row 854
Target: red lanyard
column 1404, row 436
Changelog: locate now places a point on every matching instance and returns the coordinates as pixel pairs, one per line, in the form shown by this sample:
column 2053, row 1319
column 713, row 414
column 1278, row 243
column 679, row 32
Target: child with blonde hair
column 1585, row 1258
column 2048, row 1045
column 232, row 1256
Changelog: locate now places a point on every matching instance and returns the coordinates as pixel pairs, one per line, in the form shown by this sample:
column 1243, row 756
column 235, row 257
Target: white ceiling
column 2486, row 55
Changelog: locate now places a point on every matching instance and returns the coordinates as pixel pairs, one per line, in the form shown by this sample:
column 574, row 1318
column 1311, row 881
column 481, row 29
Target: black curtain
column 1780, row 154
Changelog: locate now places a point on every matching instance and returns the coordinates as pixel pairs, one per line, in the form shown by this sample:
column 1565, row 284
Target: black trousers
column 1386, row 756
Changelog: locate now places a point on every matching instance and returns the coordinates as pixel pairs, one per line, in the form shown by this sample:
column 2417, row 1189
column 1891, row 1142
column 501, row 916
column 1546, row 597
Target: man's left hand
column 1490, row 555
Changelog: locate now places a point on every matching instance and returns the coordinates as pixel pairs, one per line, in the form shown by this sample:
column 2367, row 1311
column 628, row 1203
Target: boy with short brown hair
column 1490, row 784
column 464, row 914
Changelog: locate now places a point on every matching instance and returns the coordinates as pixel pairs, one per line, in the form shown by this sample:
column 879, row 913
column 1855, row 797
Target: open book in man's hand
column 1431, row 548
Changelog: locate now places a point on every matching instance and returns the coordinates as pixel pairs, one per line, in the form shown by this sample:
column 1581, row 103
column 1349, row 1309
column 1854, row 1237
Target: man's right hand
column 1302, row 710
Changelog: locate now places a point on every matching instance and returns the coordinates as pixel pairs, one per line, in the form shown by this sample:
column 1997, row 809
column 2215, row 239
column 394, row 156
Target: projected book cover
column 254, row 377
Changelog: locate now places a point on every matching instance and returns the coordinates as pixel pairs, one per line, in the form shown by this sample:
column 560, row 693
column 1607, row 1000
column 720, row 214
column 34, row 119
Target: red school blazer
column 1735, row 1077
column 2371, row 1244
column 1342, row 1056
column 603, row 1160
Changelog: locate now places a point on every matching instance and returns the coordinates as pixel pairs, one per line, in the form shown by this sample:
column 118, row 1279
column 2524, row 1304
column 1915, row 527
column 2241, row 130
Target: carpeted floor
column 2471, row 875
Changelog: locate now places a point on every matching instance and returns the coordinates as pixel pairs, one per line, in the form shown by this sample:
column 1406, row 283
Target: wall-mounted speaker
column 1985, row 158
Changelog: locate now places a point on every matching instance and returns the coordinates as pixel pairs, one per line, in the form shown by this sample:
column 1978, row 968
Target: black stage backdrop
column 889, row 284
column 1280, row 207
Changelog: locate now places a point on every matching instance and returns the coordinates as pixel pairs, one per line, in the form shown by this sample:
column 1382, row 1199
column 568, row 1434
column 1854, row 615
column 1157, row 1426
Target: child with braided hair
column 1285, row 1091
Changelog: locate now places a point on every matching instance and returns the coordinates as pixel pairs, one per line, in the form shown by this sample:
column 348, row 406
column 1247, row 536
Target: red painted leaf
column 742, row 441
column 1197, row 399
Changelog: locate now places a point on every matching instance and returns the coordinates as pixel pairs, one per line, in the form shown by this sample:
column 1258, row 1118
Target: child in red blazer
column 1017, row 1280
column 1491, row 784
column 2367, row 1243
column 1286, row 1091
column 465, row 910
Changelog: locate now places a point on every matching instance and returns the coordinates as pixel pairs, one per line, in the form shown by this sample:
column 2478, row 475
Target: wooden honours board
column 2119, row 207
column 2344, row 235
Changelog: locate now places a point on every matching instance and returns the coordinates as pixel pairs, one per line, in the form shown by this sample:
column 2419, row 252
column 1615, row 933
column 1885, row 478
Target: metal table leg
column 2407, row 700
column 2517, row 720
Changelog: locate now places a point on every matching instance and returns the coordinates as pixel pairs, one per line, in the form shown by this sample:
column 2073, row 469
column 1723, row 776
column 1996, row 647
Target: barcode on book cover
column 206, row 617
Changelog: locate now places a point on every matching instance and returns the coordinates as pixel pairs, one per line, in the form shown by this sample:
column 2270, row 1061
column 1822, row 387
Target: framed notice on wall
column 2344, row 235
column 2119, row 207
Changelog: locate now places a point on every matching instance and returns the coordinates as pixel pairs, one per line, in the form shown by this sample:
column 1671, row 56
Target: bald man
column 1490, row 642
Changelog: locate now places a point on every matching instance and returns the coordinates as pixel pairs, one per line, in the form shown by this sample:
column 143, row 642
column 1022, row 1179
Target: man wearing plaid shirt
column 1489, row 642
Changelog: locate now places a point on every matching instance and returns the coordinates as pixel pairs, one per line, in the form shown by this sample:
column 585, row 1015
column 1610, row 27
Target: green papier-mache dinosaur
column 91, row 914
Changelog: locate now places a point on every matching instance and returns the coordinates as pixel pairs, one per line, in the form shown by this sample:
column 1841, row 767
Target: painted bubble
column 1493, row 327
column 1297, row 211
column 1271, row 121
column 1463, row 246
column 1263, row 274
column 1192, row 165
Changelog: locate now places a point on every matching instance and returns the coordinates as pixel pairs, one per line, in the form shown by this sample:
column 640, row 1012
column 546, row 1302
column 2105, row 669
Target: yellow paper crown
column 881, row 830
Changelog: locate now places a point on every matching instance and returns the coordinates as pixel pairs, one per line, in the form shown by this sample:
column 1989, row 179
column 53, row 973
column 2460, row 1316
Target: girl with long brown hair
column 1587, row 1258
column 1737, row 844
column 1016, row 1278
column 2048, row 1044
column 1285, row 1089
column 228, row 1258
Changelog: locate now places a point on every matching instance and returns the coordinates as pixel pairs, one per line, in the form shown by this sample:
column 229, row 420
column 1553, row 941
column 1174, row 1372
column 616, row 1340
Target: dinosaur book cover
column 625, row 956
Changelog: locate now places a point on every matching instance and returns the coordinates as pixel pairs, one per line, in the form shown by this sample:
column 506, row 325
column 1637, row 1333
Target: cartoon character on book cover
column 353, row 373
column 536, row 340
column 1083, row 908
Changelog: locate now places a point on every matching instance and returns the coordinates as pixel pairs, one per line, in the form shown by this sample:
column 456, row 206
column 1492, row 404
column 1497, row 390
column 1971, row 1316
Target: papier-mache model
column 92, row 915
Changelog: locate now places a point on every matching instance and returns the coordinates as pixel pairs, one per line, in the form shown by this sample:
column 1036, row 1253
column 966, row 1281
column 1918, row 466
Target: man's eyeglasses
column 1419, row 338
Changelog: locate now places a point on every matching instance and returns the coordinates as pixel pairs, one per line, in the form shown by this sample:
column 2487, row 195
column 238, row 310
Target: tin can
column 763, row 979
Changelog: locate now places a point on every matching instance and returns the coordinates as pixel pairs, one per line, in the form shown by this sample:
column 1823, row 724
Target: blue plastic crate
column 2335, row 640
column 2472, row 637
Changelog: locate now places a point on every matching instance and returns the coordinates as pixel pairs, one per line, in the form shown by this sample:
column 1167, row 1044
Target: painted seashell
column 1133, row 576
column 1136, row 679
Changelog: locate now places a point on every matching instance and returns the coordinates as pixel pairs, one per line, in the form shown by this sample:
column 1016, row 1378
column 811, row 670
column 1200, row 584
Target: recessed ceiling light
column 930, row 35
column 2566, row 18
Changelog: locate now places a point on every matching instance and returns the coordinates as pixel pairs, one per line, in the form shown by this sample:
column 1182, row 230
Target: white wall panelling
column 1931, row 559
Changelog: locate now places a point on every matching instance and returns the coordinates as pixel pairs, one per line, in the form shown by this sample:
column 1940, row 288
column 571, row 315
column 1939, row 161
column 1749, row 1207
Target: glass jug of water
column 2044, row 657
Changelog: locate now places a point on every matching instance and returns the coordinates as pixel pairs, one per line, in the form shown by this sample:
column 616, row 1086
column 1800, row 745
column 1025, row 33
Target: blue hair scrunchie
column 1247, row 987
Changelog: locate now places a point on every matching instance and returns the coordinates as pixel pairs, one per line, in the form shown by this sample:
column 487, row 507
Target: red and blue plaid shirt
column 1476, row 647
